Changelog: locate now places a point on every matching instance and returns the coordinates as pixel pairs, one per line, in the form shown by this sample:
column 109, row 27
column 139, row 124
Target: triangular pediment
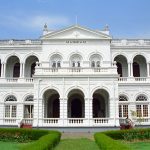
column 76, row 32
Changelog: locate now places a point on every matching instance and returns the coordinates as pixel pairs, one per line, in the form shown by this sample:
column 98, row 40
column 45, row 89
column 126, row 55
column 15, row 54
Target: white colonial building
column 74, row 77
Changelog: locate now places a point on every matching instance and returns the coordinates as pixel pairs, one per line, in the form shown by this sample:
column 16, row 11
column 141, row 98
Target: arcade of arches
column 136, row 69
column 16, row 69
column 76, row 104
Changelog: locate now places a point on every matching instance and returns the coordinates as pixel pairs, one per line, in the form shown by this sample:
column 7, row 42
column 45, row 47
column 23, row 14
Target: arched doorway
column 76, row 104
column 100, row 104
column 51, row 104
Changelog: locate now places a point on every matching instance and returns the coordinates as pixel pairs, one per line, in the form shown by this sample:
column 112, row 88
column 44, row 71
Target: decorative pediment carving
column 76, row 32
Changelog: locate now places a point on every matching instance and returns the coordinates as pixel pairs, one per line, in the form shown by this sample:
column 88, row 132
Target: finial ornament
column 106, row 28
column 45, row 27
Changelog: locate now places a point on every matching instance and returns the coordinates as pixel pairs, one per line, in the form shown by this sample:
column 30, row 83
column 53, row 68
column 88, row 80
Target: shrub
column 20, row 135
column 44, row 143
column 129, row 134
column 106, row 143
column 107, row 140
column 43, row 139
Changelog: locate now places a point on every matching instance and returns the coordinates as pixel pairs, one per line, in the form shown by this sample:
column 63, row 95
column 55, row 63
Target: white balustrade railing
column 140, row 79
column 122, row 79
column 16, row 80
column 133, row 79
column 50, row 120
column 75, row 120
column 27, row 120
column 10, row 121
column 12, row 79
column 75, row 70
column 101, row 120
column 29, row 80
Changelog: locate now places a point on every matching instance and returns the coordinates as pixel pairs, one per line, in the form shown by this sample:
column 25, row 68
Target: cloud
column 34, row 22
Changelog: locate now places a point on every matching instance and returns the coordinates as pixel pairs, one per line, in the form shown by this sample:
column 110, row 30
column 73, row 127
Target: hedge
column 41, row 139
column 107, row 143
column 129, row 135
column 108, row 140
column 46, row 142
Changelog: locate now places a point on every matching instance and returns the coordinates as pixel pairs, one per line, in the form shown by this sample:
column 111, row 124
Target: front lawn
column 139, row 145
column 77, row 144
column 8, row 146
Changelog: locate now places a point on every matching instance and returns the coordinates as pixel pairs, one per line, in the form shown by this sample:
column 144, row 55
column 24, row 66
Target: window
column 28, row 111
column 29, row 98
column 141, row 109
column 56, row 61
column 28, row 107
column 10, row 111
column 75, row 60
column 122, row 98
column 93, row 64
column 10, row 107
column 95, row 60
column 141, row 98
column 123, row 107
column 123, row 111
column 53, row 64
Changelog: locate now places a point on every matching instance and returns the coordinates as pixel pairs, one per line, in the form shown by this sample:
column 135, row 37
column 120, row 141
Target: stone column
column 61, row 111
column 65, row 112
column 23, row 70
column 4, row 70
column 131, row 69
column 20, row 70
column 148, row 70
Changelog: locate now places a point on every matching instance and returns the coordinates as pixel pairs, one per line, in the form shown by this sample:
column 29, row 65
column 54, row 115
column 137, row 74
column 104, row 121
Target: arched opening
column 76, row 104
column 139, row 66
column 122, row 65
column 13, row 67
column 30, row 66
column 100, row 104
column 51, row 104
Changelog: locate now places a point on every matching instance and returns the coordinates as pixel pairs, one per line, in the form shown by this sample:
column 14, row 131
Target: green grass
column 11, row 145
column 77, row 144
column 139, row 145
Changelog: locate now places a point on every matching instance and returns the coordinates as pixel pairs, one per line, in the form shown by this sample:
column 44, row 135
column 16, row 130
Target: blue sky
column 24, row 19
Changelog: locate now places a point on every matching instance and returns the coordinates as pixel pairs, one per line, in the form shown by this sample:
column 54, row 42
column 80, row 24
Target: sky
column 24, row 19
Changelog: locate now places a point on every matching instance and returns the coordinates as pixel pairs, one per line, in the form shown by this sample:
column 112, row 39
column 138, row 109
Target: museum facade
column 74, row 77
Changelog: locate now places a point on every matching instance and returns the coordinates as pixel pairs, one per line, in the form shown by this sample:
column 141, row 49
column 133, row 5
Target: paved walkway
column 75, row 135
